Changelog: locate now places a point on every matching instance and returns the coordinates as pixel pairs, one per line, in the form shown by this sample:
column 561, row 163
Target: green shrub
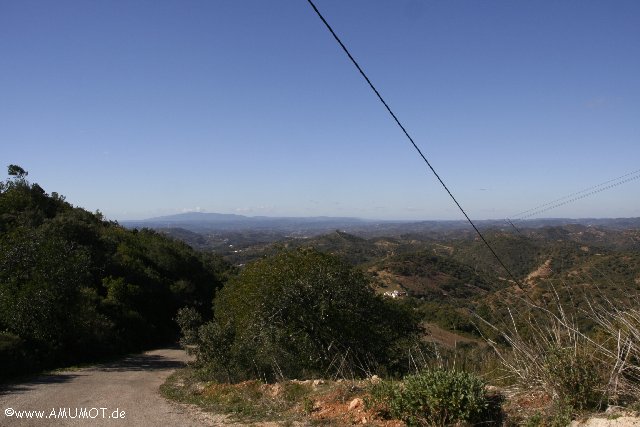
column 434, row 397
column 75, row 287
column 575, row 378
column 380, row 396
column 558, row 416
column 303, row 314
column 189, row 320
column 295, row 392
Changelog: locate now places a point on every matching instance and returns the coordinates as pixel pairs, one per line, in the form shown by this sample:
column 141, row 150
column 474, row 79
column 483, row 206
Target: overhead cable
column 570, row 198
column 395, row 118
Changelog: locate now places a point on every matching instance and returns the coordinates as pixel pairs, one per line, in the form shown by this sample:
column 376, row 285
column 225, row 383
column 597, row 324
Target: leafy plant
column 434, row 397
column 575, row 377
column 75, row 287
column 303, row 314
column 189, row 320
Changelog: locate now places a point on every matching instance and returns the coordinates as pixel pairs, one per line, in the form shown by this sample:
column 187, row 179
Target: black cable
column 513, row 225
column 579, row 195
column 335, row 36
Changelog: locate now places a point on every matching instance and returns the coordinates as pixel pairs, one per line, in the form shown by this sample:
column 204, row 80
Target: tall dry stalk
column 547, row 350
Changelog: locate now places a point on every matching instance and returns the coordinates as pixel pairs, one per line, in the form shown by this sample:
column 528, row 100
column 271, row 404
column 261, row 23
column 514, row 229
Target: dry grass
column 584, row 371
column 309, row 402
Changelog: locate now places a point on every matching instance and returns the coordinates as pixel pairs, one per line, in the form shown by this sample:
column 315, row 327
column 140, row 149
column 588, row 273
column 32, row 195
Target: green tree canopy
column 300, row 314
column 74, row 286
column 15, row 170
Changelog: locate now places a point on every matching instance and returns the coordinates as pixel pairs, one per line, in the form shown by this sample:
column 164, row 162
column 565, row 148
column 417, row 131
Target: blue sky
column 146, row 108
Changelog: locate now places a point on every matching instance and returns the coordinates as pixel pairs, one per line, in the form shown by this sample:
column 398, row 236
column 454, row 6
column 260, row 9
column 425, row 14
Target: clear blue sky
column 146, row 108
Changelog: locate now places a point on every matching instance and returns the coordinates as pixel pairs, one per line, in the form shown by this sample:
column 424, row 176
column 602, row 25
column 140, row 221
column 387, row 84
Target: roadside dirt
column 605, row 422
column 129, row 386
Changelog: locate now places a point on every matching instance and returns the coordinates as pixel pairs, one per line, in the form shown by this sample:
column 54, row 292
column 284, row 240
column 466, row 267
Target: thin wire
column 539, row 209
column 395, row 118
column 513, row 225
column 562, row 201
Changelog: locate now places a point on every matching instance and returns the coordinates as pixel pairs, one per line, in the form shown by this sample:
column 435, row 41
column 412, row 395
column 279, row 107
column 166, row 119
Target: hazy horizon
column 371, row 218
column 144, row 109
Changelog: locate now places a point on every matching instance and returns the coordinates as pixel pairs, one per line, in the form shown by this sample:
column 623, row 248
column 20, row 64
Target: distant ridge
column 200, row 222
column 205, row 221
column 196, row 216
column 221, row 217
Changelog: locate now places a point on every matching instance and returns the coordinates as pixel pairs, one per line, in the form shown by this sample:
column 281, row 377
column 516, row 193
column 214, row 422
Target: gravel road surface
column 127, row 389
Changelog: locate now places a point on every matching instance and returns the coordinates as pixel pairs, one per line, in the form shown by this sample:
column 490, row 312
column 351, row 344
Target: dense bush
column 434, row 397
column 576, row 378
column 301, row 314
column 189, row 321
column 74, row 286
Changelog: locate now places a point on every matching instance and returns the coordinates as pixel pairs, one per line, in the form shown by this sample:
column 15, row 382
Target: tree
column 301, row 314
column 17, row 171
column 41, row 277
column 74, row 286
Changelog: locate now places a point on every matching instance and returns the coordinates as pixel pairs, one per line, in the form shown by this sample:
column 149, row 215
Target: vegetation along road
column 127, row 389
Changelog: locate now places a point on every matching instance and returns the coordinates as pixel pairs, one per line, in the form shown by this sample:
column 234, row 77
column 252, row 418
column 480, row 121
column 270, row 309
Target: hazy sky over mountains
column 148, row 108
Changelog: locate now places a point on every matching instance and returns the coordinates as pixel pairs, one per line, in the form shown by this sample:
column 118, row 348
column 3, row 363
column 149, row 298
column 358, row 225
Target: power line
column 578, row 195
column 395, row 118
column 513, row 225
column 632, row 176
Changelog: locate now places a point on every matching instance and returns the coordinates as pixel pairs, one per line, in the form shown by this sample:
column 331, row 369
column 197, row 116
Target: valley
column 444, row 266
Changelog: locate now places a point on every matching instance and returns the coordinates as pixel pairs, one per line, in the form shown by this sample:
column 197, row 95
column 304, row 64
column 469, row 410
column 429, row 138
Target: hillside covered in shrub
column 75, row 287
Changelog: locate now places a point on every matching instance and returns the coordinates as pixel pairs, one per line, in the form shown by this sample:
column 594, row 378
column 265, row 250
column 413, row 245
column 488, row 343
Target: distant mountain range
column 202, row 222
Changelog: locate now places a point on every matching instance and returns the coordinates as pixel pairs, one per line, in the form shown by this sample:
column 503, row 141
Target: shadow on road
column 133, row 363
column 141, row 362
column 34, row 382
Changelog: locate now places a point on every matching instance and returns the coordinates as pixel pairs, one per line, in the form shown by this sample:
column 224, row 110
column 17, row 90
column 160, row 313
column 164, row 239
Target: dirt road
column 127, row 390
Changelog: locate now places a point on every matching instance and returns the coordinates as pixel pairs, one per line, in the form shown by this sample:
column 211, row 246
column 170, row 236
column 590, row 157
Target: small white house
column 395, row 294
